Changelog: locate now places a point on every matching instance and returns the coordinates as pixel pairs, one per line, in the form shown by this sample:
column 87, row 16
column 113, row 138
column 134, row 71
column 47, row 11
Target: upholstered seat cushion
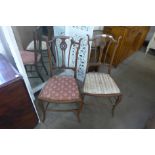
column 31, row 45
column 100, row 83
column 29, row 57
column 60, row 88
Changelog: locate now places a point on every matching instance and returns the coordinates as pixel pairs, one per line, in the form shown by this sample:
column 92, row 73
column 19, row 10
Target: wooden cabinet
column 132, row 39
column 16, row 108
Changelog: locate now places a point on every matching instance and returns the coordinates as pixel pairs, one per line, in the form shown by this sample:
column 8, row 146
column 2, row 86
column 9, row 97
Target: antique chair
column 61, row 89
column 41, row 43
column 33, row 57
column 101, row 84
column 44, row 31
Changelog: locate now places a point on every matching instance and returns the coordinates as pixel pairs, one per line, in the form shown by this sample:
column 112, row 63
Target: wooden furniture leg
column 118, row 100
column 37, row 70
column 44, row 66
column 78, row 111
column 40, row 104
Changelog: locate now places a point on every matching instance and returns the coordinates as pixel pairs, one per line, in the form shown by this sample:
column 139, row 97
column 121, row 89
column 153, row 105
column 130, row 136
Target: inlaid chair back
column 62, row 89
column 100, row 53
column 60, row 48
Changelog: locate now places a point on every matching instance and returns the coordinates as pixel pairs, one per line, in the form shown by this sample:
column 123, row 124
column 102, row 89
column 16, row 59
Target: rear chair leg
column 118, row 100
column 36, row 67
column 44, row 67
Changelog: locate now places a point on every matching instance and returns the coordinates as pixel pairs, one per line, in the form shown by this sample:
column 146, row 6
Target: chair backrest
column 99, row 47
column 60, row 48
column 37, row 38
column 50, row 31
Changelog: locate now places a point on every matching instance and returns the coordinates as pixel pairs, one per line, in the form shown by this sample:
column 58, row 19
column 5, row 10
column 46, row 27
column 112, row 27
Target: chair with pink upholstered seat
column 29, row 57
column 61, row 89
column 33, row 57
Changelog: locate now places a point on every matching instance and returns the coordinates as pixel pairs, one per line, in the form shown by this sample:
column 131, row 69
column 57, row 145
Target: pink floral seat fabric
column 60, row 88
column 29, row 57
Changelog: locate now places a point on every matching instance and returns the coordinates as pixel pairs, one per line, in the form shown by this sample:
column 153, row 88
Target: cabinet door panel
column 16, row 109
column 132, row 39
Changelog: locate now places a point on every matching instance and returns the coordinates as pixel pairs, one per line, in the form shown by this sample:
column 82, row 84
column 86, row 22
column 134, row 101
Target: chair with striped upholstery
column 98, row 83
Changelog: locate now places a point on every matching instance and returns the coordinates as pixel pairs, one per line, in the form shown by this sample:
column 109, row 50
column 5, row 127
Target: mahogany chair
column 44, row 31
column 40, row 45
column 61, row 89
column 39, row 42
column 32, row 57
column 101, row 84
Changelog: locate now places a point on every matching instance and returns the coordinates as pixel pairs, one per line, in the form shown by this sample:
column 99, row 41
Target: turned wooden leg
column 40, row 103
column 83, row 96
column 46, row 106
column 79, row 110
column 118, row 100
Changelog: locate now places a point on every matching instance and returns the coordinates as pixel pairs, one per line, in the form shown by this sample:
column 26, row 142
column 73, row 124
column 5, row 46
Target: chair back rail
column 59, row 49
column 37, row 39
column 100, row 50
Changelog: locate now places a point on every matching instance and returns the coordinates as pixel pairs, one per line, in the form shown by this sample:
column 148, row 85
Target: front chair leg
column 83, row 96
column 40, row 103
column 79, row 110
column 118, row 100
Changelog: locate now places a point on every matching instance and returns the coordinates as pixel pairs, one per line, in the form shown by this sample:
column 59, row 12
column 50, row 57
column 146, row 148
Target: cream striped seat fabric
column 31, row 45
column 100, row 83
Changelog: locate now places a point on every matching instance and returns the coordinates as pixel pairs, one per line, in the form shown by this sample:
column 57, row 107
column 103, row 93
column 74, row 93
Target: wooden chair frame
column 37, row 37
column 63, row 46
column 104, row 41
